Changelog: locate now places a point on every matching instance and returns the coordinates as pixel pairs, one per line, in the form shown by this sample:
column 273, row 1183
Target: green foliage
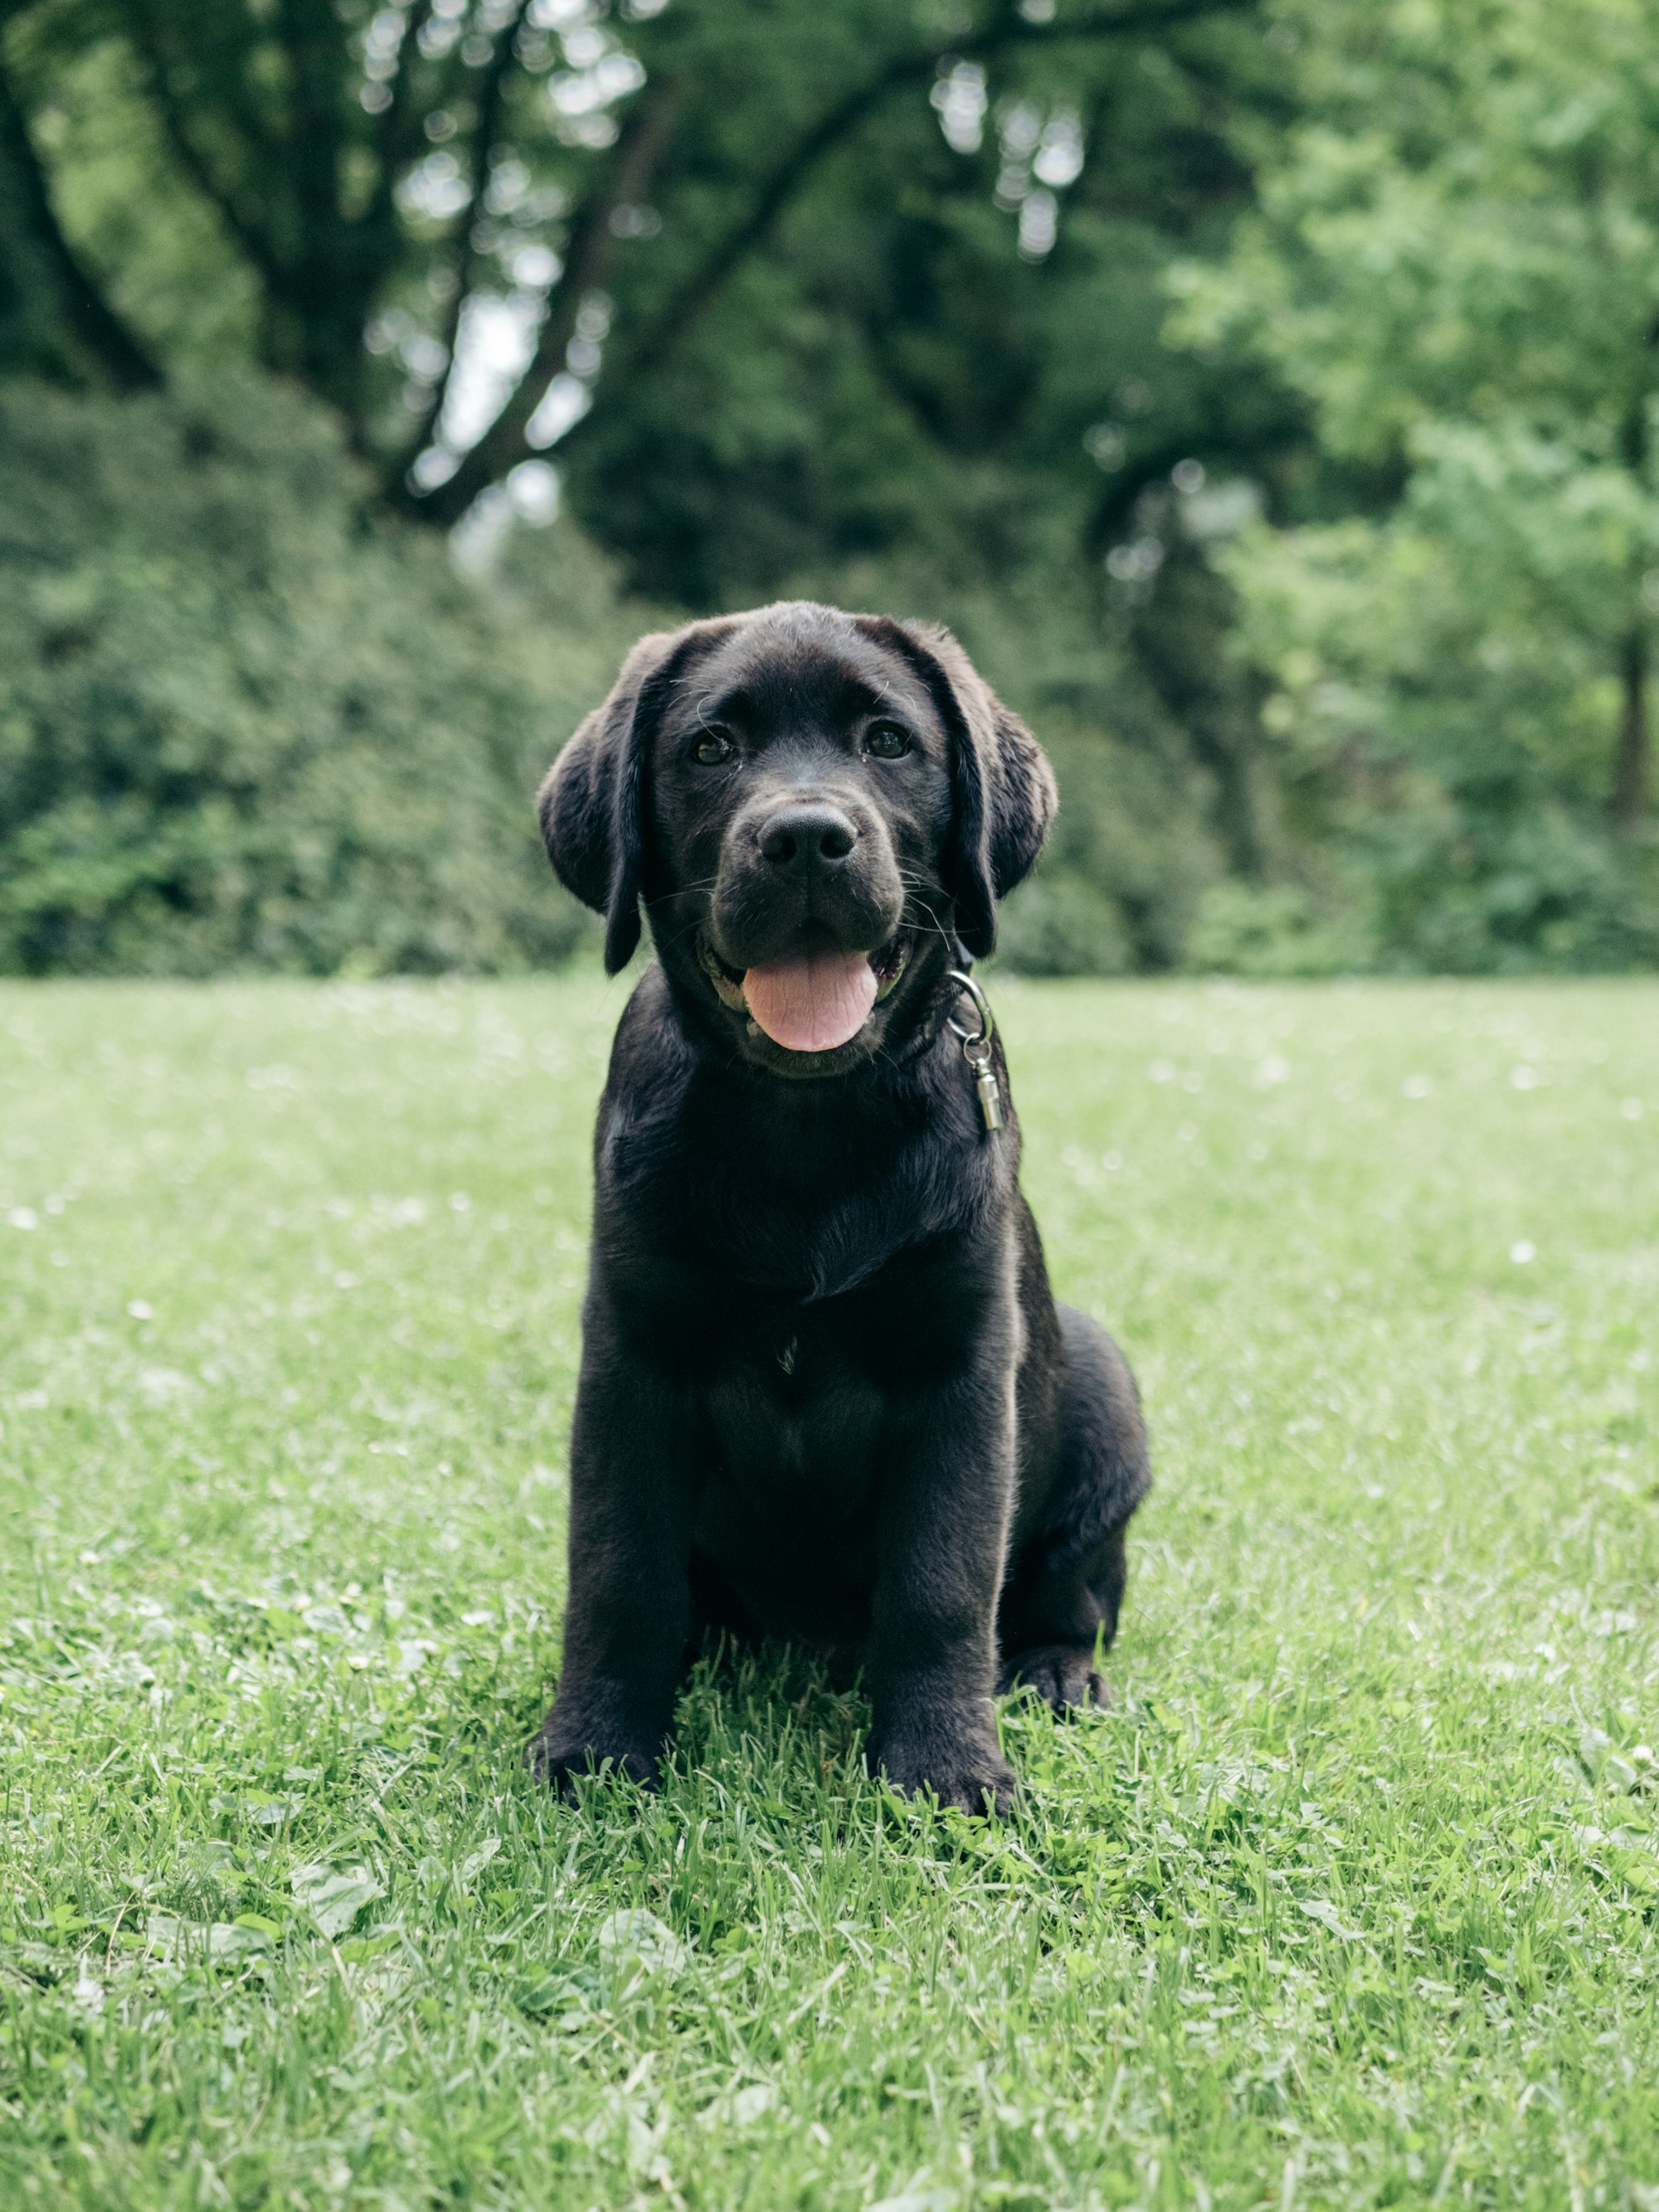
column 893, row 378
column 1453, row 768
column 1350, row 1901
column 868, row 306
column 1274, row 929
column 241, row 727
column 1333, row 596
column 1119, row 888
column 1460, row 225
column 1453, row 261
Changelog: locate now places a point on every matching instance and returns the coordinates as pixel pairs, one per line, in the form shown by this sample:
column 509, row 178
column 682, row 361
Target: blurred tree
column 454, row 181
column 1455, row 260
column 794, row 294
column 1340, row 588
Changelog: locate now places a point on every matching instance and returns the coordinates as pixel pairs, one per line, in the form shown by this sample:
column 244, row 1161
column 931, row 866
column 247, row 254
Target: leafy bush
column 1444, row 743
column 1273, row 929
column 241, row 727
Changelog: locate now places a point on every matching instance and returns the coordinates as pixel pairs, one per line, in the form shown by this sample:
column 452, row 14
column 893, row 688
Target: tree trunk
column 1630, row 769
column 1239, row 809
column 1633, row 763
column 1178, row 636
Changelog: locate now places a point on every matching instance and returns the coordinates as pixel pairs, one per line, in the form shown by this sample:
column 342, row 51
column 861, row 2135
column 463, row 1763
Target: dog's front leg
column 949, row 1488
column 632, row 1496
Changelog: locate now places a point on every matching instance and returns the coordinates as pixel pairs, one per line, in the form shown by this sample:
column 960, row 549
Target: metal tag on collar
column 976, row 1050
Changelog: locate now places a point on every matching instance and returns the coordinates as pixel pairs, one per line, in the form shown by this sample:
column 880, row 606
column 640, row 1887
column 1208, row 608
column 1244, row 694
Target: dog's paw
column 974, row 1777
column 560, row 1760
column 1062, row 1675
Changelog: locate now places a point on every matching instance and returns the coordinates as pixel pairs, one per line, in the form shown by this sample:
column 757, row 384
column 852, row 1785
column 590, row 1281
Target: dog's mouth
column 814, row 998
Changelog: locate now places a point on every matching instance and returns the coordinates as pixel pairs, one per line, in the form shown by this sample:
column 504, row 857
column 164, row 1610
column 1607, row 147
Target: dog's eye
column 886, row 741
column 711, row 747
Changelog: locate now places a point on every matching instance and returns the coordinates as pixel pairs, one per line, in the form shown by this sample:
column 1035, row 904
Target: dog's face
column 812, row 806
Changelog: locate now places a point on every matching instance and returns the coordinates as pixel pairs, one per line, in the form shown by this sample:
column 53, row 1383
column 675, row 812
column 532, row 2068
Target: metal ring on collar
column 981, row 1007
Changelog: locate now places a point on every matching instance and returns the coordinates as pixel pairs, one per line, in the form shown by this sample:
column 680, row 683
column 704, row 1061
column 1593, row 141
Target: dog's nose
column 802, row 837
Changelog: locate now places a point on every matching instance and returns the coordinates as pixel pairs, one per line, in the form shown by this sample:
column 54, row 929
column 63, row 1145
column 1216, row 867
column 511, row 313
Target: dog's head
column 810, row 805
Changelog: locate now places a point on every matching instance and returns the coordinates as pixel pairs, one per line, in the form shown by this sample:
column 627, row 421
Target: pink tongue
column 813, row 1002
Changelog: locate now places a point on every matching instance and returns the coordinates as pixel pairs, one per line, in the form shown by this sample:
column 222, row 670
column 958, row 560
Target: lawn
column 1351, row 1900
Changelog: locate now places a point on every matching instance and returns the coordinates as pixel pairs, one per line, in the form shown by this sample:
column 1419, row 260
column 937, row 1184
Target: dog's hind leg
column 1065, row 1583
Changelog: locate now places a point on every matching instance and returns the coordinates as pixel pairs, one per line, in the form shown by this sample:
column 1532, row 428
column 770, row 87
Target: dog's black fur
column 826, row 1394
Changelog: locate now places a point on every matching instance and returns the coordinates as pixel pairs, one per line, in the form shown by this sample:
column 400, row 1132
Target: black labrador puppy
column 826, row 1394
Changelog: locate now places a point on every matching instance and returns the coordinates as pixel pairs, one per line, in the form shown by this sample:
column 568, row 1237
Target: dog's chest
column 796, row 1419
column 775, row 1204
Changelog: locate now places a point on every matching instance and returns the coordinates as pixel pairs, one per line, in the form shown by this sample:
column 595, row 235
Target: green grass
column 1350, row 1901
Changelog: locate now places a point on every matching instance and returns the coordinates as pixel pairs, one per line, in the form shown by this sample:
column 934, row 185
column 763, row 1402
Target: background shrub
column 243, row 726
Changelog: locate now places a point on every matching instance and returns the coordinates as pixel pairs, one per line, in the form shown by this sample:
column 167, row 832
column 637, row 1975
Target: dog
column 826, row 1395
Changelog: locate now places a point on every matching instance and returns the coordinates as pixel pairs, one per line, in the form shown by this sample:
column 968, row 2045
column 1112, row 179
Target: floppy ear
column 592, row 803
column 1004, row 788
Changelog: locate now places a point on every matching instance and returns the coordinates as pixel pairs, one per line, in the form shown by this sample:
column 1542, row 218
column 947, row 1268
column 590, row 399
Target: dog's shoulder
column 650, row 1048
column 653, row 1063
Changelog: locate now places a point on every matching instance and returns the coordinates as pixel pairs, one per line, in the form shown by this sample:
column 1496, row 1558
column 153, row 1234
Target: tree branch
column 500, row 443
column 95, row 324
column 398, row 133
column 588, row 250
column 490, row 98
column 256, row 242
column 671, row 322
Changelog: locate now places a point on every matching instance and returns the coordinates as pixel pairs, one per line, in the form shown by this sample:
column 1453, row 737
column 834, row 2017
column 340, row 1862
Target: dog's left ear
column 1004, row 788
column 592, row 803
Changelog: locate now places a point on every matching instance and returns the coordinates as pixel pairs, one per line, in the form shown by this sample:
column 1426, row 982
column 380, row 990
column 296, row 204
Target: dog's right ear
column 592, row 803
column 1004, row 787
